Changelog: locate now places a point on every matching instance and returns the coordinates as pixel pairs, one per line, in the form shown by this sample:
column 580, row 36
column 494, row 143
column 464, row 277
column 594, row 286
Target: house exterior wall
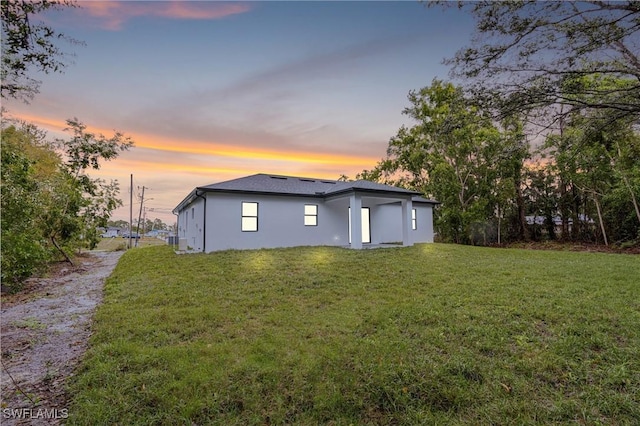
column 386, row 220
column 280, row 223
column 191, row 224
column 424, row 229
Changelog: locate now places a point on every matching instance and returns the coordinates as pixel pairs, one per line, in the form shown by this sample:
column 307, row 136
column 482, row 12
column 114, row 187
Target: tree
column 50, row 205
column 456, row 154
column 122, row 224
column 28, row 44
column 159, row 225
column 541, row 194
column 510, row 171
column 598, row 156
column 534, row 55
column 87, row 203
column 592, row 173
column 24, row 171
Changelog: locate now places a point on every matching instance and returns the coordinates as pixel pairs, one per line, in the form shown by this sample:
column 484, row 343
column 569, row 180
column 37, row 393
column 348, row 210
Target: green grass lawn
column 430, row 334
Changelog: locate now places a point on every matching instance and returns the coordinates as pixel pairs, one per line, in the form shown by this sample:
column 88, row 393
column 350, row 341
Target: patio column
column 355, row 206
column 407, row 237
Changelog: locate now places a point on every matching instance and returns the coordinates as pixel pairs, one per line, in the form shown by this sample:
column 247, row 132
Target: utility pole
column 130, row 208
column 139, row 217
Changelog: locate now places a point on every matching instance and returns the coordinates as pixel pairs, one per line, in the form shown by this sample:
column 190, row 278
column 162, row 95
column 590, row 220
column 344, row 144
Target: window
column 192, row 212
column 249, row 217
column 310, row 215
column 414, row 219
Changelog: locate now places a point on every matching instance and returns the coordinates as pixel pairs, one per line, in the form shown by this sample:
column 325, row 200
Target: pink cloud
column 112, row 15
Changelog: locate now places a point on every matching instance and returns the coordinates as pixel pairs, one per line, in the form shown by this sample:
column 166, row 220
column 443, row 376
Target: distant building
column 541, row 221
column 110, row 232
column 158, row 233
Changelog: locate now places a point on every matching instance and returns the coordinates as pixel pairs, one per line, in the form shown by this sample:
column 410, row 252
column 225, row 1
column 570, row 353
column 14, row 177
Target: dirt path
column 44, row 333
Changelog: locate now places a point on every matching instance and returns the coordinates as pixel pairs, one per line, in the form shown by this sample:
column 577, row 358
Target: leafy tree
column 534, row 54
column 508, row 173
column 23, row 248
column 159, row 225
column 541, row 193
column 122, row 224
column 143, row 226
column 86, row 203
column 29, row 44
column 574, row 68
column 49, row 203
column 597, row 154
column 591, row 178
column 455, row 154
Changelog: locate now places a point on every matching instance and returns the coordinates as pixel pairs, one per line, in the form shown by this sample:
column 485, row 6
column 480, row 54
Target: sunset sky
column 211, row 91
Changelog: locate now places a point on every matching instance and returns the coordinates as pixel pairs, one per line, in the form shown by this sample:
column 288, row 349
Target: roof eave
column 185, row 202
column 257, row 192
column 400, row 194
column 395, row 194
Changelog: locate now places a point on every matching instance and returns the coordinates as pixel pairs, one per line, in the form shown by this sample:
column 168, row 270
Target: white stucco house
column 269, row 211
column 110, row 232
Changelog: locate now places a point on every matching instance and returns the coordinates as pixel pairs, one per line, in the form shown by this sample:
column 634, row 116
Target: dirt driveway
column 44, row 333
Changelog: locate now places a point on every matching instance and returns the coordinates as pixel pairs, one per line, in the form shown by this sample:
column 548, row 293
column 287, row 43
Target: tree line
column 50, row 205
column 539, row 140
column 494, row 186
column 145, row 225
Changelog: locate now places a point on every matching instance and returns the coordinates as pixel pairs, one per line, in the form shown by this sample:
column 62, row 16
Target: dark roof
column 292, row 185
column 298, row 186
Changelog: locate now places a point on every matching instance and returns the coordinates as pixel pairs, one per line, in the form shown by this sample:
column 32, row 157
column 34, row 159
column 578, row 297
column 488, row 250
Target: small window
column 192, row 212
column 310, row 215
column 249, row 217
column 414, row 219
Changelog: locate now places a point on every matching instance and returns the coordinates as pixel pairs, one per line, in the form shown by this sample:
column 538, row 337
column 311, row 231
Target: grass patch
column 30, row 323
column 430, row 334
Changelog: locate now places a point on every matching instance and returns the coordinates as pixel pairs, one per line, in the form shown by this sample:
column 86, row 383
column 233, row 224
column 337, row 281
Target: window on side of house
column 193, row 212
column 249, row 216
column 310, row 215
column 414, row 219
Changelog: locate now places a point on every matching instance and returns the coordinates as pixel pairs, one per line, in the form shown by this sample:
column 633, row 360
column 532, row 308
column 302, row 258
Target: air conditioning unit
column 182, row 244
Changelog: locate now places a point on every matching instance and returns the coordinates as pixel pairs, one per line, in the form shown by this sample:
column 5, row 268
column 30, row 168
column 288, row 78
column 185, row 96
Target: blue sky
column 212, row 91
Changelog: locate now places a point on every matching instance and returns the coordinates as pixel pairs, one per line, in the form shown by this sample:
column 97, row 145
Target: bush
column 22, row 248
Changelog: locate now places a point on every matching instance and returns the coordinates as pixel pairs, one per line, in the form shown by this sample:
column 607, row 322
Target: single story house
column 158, row 233
column 110, row 232
column 268, row 211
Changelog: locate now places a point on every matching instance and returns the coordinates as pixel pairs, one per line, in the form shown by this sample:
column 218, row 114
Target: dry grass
column 119, row 244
